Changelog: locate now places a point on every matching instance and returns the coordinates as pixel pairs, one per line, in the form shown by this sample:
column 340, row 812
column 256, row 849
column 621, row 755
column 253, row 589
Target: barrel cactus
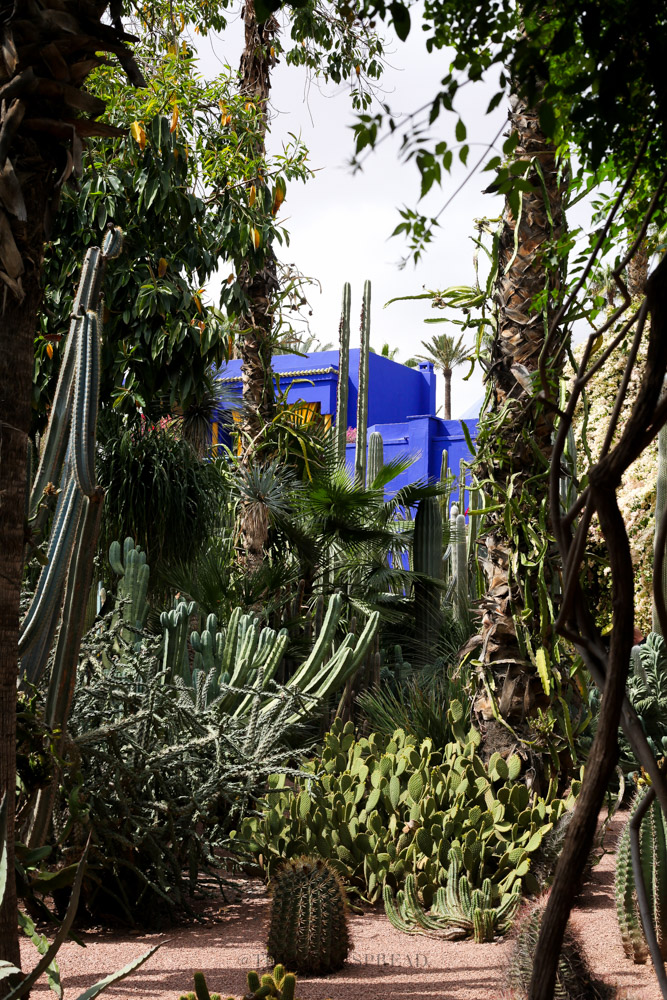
column 308, row 929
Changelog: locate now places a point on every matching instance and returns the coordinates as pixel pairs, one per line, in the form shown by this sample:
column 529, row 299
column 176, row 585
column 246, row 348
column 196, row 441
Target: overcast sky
column 340, row 223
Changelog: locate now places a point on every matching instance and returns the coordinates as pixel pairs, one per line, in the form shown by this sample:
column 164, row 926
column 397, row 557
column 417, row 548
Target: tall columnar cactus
column 660, row 502
column 362, row 398
column 375, row 456
column 427, row 548
column 653, row 855
column 460, row 551
column 134, row 572
column 462, row 485
column 308, row 929
column 343, row 374
column 68, row 459
column 175, row 624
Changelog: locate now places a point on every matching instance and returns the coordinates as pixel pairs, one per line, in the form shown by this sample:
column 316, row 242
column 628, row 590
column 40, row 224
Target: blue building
column 401, row 406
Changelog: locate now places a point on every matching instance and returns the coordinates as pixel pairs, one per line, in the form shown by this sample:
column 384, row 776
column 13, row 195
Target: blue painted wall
column 401, row 406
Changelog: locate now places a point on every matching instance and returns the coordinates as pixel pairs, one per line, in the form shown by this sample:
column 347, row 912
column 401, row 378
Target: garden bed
column 384, row 963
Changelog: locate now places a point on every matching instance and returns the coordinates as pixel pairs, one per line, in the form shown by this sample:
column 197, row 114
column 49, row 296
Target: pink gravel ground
column 383, row 964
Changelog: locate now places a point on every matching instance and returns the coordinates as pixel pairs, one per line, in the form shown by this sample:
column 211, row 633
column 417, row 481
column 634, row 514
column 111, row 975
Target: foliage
column 308, row 929
column 157, row 779
column 157, row 490
column 647, row 691
column 415, row 705
column 574, row 979
column 384, row 807
column 457, row 910
column 445, row 351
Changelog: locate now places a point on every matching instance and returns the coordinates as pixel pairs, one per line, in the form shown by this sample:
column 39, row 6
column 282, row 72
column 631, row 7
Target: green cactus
column 133, row 586
column 175, row 624
column 343, row 375
column 574, row 979
column 375, row 456
column 308, row 928
column 279, row 984
column 458, row 910
column 653, row 856
column 460, row 568
column 427, row 549
column 362, row 397
column 383, row 807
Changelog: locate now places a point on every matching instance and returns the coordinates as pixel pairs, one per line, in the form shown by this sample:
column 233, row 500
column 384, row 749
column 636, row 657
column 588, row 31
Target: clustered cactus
column 227, row 663
column 385, row 807
column 308, row 917
column 279, row 984
column 457, row 910
column 653, row 856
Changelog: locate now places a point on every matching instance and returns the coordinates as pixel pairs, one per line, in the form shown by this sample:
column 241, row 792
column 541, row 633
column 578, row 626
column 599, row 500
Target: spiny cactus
column 427, row 548
column 133, row 586
column 175, row 645
column 460, row 554
column 653, row 856
column 458, row 910
column 343, row 374
column 309, row 917
column 279, row 984
column 574, row 979
column 375, row 456
column 362, row 397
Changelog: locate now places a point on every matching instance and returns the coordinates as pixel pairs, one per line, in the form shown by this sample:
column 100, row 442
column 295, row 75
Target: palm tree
column 48, row 54
column 446, row 353
column 386, row 352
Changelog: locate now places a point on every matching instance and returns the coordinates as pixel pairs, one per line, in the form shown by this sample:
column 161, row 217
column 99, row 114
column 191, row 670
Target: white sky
column 340, row 223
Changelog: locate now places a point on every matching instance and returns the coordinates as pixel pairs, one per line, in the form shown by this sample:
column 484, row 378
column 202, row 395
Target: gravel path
column 384, row 963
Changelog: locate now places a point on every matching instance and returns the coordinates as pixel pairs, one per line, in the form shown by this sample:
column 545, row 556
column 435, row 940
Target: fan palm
column 447, row 353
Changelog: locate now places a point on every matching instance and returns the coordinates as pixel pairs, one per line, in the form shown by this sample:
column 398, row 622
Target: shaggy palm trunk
column 259, row 287
column 520, row 335
column 447, row 372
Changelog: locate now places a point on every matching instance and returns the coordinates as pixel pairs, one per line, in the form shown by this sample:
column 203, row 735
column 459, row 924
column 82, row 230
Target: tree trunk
column 447, row 372
column 519, row 339
column 259, row 287
column 19, row 323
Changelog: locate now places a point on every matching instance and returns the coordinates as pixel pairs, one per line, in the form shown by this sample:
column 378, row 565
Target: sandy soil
column 383, row 964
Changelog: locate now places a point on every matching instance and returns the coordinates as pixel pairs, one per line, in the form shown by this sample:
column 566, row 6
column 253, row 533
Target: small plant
column 279, row 984
column 309, row 917
column 458, row 910
column 574, row 980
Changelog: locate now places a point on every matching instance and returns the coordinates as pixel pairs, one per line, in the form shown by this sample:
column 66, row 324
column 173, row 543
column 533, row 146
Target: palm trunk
column 447, row 372
column 19, row 323
column 519, row 339
column 259, row 288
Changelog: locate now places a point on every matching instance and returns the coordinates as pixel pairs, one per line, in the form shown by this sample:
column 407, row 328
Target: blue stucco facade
column 401, row 406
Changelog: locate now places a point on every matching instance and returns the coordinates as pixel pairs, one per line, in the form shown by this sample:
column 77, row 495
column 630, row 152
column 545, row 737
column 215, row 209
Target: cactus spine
column 343, row 374
column 362, row 397
column 375, row 456
column 460, row 568
column 428, row 563
column 653, row 856
column 308, row 928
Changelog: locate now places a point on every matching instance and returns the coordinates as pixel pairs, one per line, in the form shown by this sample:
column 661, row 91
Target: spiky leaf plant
column 308, row 928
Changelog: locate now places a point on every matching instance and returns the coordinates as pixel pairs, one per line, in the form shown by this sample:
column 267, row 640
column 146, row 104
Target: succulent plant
column 457, row 910
column 278, row 984
column 427, row 562
column 342, row 389
column 574, row 979
column 133, row 585
column 382, row 807
column 362, row 397
column 375, row 456
column 653, row 857
column 308, row 928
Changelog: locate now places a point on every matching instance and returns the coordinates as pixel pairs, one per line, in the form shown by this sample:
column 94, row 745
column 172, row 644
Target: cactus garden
column 333, row 659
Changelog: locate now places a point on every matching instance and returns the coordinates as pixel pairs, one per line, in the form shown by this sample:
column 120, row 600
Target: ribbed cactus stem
column 375, row 456
column 362, row 397
column 343, row 374
column 462, row 486
column 660, row 512
column 461, row 564
column 653, row 859
column 427, row 548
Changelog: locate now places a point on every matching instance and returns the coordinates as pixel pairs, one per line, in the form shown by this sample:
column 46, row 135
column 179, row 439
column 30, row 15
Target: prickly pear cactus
column 308, row 917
